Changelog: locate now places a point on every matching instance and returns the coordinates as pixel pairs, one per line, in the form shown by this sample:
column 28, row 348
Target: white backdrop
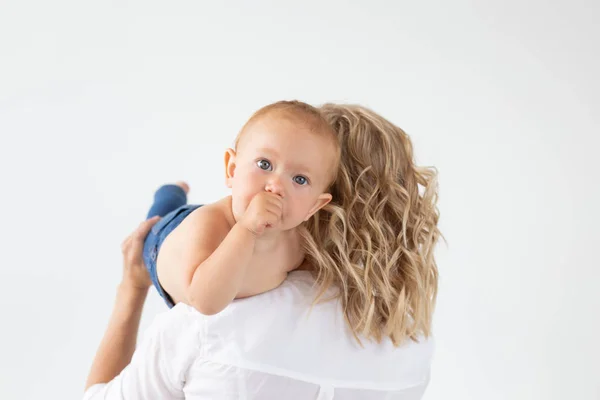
column 101, row 102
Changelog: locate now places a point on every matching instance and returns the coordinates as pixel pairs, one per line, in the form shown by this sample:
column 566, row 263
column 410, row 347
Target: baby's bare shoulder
column 210, row 219
column 196, row 237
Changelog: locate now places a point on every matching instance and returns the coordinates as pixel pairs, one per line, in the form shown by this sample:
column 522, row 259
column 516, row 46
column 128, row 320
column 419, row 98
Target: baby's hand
column 264, row 211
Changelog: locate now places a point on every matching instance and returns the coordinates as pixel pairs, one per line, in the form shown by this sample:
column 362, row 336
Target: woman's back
column 253, row 350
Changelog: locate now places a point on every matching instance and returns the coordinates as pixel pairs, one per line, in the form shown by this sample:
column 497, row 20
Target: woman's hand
column 135, row 274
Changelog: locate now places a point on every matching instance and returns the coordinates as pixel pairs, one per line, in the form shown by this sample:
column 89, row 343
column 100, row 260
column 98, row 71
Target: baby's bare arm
column 204, row 261
column 188, row 246
column 218, row 280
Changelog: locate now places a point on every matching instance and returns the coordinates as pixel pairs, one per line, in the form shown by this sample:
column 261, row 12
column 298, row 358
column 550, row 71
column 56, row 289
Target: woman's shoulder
column 179, row 325
column 294, row 295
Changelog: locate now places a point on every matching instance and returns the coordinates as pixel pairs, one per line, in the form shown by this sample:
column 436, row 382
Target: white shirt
column 268, row 347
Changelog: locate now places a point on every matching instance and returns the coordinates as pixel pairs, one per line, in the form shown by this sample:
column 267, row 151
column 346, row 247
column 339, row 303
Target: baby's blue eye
column 300, row 180
column 264, row 164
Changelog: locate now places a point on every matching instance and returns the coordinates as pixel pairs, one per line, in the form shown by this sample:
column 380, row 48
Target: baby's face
column 285, row 158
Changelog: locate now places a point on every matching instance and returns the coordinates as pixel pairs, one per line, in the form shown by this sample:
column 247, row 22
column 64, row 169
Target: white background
column 102, row 102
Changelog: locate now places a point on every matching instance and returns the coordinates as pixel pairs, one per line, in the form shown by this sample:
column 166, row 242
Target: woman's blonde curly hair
column 375, row 240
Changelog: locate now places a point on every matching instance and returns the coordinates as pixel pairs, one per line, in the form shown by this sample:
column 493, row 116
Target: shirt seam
column 335, row 383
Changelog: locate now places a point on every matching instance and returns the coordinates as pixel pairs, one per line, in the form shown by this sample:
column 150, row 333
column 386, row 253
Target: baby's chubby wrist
column 243, row 229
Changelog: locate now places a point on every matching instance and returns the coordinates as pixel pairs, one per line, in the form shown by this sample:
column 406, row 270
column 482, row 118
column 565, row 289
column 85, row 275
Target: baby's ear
column 321, row 202
column 229, row 166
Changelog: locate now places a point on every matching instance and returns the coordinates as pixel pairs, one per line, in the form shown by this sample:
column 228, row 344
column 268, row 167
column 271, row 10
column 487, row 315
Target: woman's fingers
column 142, row 231
column 139, row 234
column 126, row 244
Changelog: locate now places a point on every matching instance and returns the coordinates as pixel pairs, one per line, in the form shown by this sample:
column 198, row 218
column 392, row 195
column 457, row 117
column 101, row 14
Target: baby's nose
column 274, row 186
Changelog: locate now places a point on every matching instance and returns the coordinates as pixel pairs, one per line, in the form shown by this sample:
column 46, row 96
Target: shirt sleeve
column 159, row 363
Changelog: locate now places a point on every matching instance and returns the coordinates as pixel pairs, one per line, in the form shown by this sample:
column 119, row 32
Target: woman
column 354, row 325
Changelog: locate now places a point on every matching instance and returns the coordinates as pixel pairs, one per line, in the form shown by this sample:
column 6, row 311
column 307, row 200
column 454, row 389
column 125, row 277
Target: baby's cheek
column 295, row 212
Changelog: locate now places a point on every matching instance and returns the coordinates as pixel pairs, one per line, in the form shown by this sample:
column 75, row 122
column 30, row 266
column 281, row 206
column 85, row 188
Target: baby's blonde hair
column 375, row 240
column 304, row 115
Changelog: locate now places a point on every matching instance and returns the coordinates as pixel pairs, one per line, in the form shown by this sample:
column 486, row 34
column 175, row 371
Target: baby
column 283, row 163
